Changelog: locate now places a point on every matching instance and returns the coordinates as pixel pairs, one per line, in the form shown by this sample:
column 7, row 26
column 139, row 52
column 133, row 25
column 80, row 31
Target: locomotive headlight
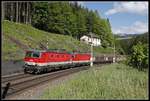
column 33, row 63
column 30, row 63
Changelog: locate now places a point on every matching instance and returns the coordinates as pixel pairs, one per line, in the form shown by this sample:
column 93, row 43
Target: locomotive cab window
column 29, row 54
column 36, row 54
column 33, row 54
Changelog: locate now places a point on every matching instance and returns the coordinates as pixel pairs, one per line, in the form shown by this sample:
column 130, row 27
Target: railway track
column 23, row 82
column 14, row 77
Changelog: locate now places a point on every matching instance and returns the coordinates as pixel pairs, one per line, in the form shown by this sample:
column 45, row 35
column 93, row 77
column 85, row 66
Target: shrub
column 139, row 56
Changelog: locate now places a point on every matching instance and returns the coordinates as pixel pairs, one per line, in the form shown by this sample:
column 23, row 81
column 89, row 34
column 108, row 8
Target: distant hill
column 125, row 36
column 144, row 38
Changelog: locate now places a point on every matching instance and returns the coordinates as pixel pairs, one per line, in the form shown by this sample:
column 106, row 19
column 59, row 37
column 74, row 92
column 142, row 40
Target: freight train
column 41, row 61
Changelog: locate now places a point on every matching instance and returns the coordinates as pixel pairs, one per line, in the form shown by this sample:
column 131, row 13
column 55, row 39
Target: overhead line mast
column 90, row 32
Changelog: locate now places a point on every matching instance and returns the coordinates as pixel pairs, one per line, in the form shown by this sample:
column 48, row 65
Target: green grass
column 115, row 81
column 31, row 37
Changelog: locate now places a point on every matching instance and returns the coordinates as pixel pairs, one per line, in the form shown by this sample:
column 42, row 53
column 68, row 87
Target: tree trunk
column 19, row 4
column 3, row 11
column 27, row 14
column 11, row 17
column 16, row 11
column 30, row 13
column 24, row 16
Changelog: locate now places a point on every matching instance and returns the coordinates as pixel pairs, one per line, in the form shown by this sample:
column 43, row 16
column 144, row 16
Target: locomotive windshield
column 33, row 54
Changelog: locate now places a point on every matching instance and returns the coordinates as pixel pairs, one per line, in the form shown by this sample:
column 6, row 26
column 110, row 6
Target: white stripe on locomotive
column 56, row 63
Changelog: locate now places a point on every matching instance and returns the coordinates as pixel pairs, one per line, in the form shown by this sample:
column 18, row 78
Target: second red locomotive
column 44, row 61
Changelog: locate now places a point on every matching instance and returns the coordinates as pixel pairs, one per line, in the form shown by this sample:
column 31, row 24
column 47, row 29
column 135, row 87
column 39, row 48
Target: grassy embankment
column 115, row 81
column 22, row 37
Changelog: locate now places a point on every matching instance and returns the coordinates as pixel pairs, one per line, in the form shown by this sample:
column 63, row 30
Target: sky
column 125, row 17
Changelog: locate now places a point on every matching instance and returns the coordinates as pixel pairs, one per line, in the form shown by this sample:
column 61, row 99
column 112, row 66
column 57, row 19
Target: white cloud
column 78, row 2
column 81, row 3
column 130, row 7
column 137, row 28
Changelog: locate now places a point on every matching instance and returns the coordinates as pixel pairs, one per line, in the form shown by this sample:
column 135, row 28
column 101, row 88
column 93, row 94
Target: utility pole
column 114, row 51
column 91, row 64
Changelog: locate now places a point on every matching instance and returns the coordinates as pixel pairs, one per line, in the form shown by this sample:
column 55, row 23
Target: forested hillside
column 67, row 18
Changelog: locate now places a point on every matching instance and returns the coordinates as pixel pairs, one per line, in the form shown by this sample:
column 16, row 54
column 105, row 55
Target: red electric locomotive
column 43, row 61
